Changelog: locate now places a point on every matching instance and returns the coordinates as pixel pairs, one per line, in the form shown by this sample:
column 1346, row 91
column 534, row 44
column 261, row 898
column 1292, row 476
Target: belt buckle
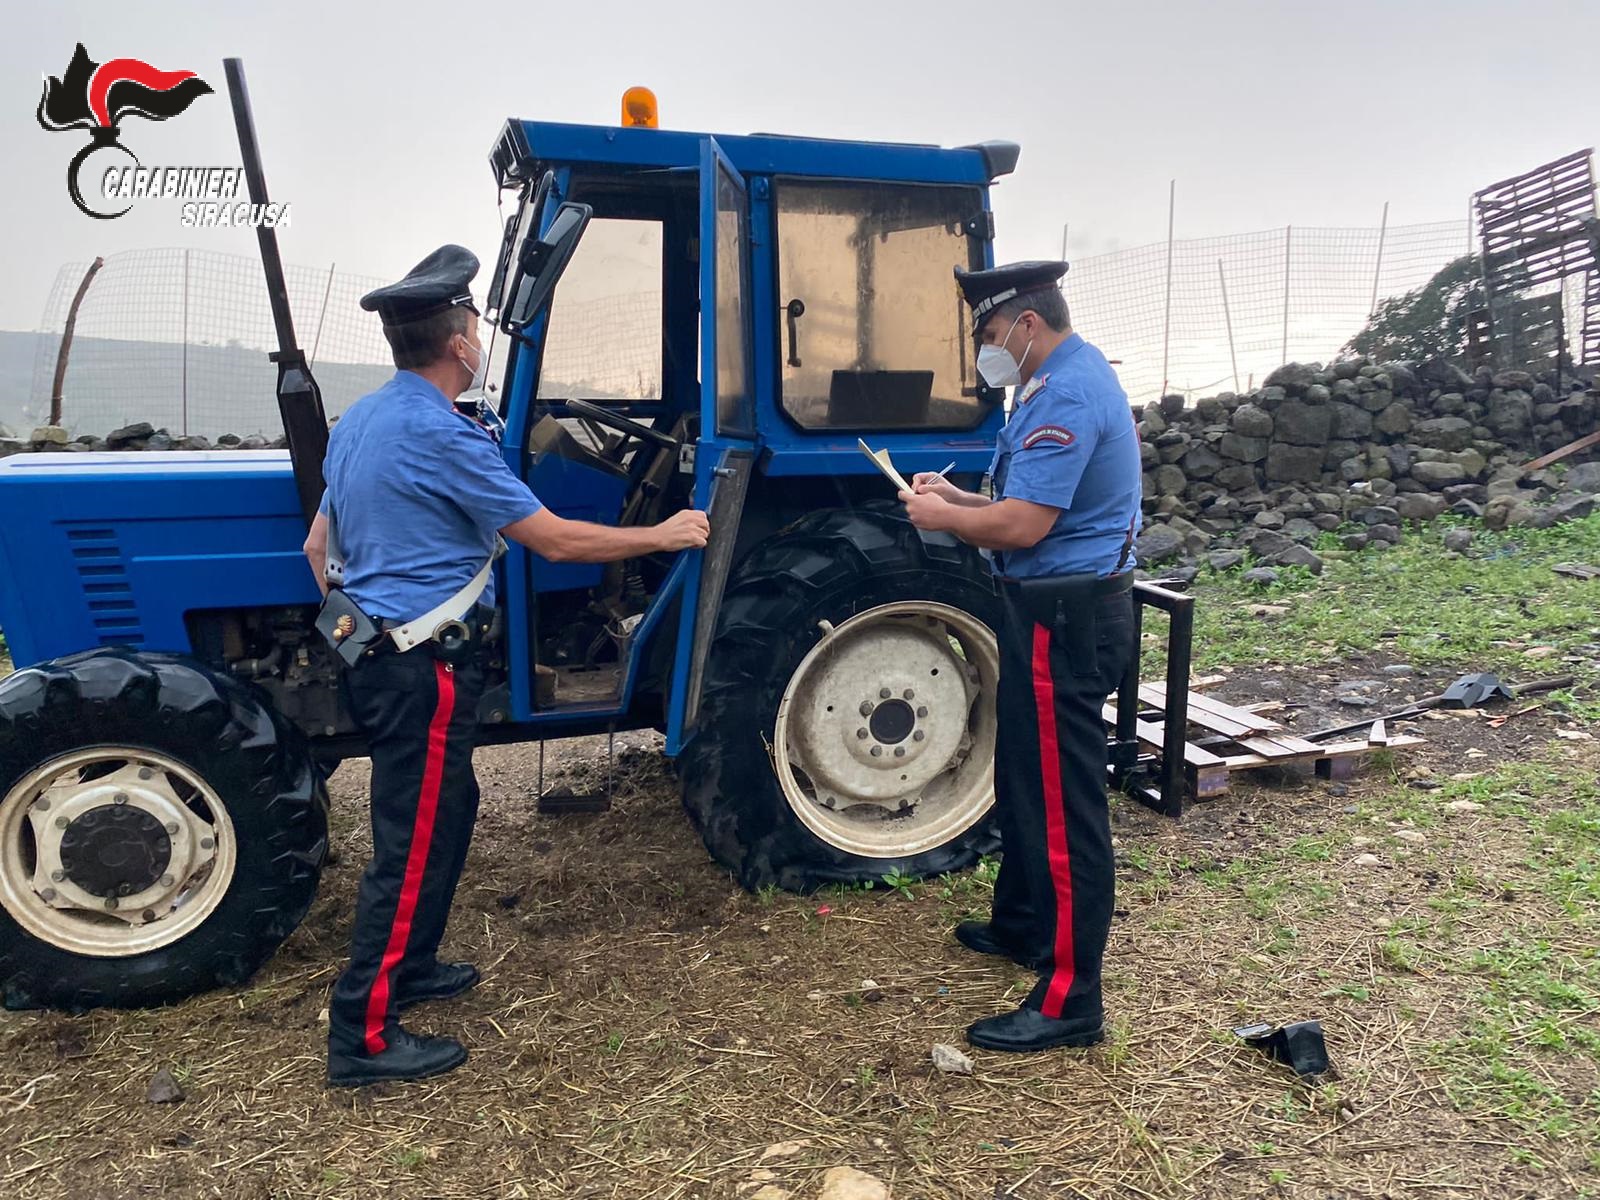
column 452, row 636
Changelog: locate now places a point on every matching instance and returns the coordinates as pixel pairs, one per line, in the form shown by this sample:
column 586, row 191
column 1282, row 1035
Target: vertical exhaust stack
column 305, row 424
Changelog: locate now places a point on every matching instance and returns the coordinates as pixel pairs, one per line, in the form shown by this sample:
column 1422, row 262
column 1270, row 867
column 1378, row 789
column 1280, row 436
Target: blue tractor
column 823, row 674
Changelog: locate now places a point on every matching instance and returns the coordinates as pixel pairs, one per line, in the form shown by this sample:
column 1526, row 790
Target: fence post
column 1166, row 324
column 1377, row 269
column 1288, row 240
column 1063, row 241
column 185, row 421
column 1228, row 317
column 66, row 340
column 316, row 339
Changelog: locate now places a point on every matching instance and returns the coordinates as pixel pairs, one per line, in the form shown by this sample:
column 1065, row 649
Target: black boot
column 408, row 1057
column 444, row 981
column 1027, row 1030
column 980, row 936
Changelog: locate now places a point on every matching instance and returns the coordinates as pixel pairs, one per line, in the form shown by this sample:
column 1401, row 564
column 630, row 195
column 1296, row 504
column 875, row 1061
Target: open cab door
column 724, row 453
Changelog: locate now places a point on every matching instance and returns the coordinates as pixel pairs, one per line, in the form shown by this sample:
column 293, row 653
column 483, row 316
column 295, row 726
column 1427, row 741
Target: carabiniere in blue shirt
column 1072, row 444
column 418, row 493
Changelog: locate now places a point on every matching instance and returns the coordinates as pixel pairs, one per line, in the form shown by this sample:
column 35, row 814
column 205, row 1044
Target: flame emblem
column 96, row 97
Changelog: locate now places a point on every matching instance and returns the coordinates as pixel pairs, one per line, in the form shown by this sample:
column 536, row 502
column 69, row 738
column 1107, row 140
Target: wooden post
column 1228, row 317
column 185, row 343
column 1377, row 268
column 1166, row 325
column 1288, row 240
column 66, row 340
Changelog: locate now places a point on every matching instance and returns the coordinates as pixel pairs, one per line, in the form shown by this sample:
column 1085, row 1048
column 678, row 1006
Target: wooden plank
column 1151, row 734
column 1554, row 456
column 1211, row 714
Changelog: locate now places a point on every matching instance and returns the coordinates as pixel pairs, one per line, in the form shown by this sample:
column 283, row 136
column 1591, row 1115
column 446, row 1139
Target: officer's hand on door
column 686, row 530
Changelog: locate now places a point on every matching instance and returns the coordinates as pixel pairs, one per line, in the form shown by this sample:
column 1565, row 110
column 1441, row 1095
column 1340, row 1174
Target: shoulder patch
column 1057, row 434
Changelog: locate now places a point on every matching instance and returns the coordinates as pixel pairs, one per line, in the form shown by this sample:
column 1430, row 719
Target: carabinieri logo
column 97, row 97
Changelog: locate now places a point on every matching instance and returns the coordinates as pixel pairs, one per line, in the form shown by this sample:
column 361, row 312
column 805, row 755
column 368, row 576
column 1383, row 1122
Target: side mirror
column 540, row 263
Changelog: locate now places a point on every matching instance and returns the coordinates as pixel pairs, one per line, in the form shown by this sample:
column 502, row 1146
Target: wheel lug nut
column 899, row 751
column 918, row 736
column 42, row 803
column 57, row 876
column 62, row 822
column 207, row 843
column 909, row 694
column 883, row 693
column 146, row 773
column 167, row 881
column 172, row 827
column 877, row 752
column 47, row 894
column 922, row 710
column 111, row 902
column 120, row 798
column 124, row 889
column 866, row 708
column 148, row 914
column 861, row 734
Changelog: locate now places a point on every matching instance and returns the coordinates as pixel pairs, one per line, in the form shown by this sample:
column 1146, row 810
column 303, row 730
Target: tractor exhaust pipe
column 305, row 424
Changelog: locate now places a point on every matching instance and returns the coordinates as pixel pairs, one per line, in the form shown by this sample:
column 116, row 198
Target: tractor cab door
column 724, row 452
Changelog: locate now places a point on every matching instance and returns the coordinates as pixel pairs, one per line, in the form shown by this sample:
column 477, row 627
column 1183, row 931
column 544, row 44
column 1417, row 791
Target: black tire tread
column 832, row 563
column 230, row 735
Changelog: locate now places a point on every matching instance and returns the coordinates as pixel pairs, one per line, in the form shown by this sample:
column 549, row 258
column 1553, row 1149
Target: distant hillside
column 229, row 389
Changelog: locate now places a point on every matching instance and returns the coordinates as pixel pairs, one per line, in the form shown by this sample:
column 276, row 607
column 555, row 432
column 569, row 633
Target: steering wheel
column 585, row 411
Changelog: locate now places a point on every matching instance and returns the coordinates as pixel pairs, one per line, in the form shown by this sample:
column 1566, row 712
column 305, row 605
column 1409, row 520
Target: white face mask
column 996, row 365
column 480, row 372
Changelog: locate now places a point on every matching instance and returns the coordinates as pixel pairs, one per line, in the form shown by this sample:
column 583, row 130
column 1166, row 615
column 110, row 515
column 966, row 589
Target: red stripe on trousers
column 1055, row 823
column 416, row 859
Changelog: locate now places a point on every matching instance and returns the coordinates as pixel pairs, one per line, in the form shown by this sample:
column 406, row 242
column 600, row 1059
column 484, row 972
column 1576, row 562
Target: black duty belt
column 453, row 639
column 1096, row 586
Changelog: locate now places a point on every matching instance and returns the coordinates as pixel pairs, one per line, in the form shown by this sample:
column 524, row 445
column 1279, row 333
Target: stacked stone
column 54, row 439
column 1316, row 449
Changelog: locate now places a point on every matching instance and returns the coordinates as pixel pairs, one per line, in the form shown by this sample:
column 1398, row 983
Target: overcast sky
column 375, row 120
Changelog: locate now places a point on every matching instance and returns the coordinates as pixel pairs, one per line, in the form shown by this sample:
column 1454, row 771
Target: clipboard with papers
column 881, row 460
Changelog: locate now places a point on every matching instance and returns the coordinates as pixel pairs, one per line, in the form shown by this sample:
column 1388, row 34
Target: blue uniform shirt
column 419, row 493
column 1071, row 443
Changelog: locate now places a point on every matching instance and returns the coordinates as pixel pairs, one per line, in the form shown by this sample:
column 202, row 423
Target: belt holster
column 348, row 629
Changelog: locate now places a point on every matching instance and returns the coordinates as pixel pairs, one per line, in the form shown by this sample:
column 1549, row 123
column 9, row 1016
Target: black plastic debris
column 1299, row 1045
column 1472, row 690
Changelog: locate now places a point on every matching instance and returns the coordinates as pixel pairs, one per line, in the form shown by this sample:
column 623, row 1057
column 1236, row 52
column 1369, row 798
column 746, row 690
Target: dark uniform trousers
column 1053, row 895
column 420, row 717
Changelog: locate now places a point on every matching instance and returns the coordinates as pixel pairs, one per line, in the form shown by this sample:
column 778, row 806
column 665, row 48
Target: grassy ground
column 647, row 1030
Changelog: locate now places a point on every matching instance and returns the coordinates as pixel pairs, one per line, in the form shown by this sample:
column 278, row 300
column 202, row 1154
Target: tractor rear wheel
column 847, row 723
column 161, row 831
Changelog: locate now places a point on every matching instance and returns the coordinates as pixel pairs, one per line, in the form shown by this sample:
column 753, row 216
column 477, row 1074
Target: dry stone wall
column 1357, row 448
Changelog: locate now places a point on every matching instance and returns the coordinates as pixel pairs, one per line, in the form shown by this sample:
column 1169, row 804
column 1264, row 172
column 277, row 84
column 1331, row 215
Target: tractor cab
column 732, row 313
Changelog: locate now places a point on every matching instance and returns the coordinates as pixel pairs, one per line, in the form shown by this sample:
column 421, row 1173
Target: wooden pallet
column 1222, row 739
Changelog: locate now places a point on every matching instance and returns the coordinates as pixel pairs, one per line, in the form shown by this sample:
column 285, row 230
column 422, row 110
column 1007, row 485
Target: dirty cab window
column 870, row 319
column 604, row 340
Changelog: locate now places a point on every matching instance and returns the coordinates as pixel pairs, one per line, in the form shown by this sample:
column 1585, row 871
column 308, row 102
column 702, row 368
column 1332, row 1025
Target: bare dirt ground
column 646, row 1029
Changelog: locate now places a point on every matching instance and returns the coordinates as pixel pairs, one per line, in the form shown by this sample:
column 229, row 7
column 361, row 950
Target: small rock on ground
column 1366, row 860
column 771, row 1191
column 164, row 1088
column 951, row 1061
column 1464, row 806
column 1410, row 835
column 783, row 1150
column 847, row 1183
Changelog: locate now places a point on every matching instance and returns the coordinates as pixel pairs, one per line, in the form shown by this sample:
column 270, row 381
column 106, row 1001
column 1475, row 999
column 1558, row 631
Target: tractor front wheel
column 847, row 724
column 161, row 831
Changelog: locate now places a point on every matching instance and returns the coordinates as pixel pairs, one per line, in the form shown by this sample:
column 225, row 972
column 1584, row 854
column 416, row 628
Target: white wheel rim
column 920, row 680
column 47, row 890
